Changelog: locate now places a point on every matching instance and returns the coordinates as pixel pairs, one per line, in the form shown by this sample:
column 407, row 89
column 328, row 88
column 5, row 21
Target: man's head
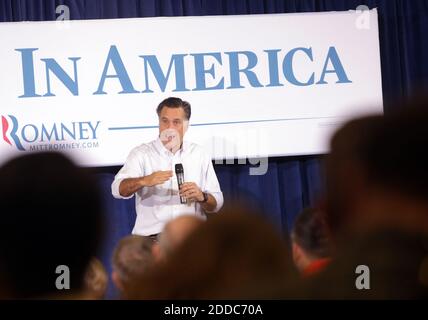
column 377, row 170
column 345, row 169
column 309, row 238
column 233, row 255
column 174, row 233
column 95, row 280
column 174, row 115
column 50, row 216
column 131, row 258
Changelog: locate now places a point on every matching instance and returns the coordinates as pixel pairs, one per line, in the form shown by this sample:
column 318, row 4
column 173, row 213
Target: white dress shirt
column 156, row 205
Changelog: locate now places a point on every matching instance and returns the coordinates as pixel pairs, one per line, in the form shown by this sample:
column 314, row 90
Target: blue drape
column 290, row 183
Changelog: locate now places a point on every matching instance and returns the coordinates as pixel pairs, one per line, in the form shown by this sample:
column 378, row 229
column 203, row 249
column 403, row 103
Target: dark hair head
column 397, row 155
column 132, row 256
column 383, row 152
column 345, row 163
column 50, row 216
column 173, row 102
column 235, row 254
column 389, row 149
column 310, row 233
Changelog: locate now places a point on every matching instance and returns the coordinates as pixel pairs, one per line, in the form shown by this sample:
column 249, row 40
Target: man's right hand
column 156, row 178
column 131, row 185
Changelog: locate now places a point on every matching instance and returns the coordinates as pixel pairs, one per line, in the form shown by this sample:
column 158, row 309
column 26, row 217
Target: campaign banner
column 259, row 85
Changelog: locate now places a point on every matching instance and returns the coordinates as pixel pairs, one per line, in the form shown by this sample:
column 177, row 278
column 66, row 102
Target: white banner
column 259, row 85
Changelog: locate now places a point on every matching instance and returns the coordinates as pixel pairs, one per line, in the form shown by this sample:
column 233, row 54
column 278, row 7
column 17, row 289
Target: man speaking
column 151, row 171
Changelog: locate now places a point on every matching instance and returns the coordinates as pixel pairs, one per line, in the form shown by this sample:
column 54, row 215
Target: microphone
column 179, row 172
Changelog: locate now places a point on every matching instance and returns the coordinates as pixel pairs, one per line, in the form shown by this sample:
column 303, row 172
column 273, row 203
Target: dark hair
column 396, row 155
column 385, row 151
column 235, row 254
column 310, row 233
column 173, row 102
column 390, row 149
column 50, row 216
column 346, row 161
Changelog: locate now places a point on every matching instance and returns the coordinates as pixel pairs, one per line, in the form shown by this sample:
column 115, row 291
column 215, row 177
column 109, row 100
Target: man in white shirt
column 149, row 174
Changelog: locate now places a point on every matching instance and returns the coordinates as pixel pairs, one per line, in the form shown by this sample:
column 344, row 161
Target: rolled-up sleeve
column 131, row 169
column 219, row 199
column 212, row 185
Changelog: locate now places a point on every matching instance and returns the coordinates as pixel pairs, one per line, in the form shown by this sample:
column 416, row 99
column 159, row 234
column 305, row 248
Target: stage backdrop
column 260, row 85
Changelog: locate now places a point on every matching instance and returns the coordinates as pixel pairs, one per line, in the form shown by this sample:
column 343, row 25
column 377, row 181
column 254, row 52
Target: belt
column 154, row 237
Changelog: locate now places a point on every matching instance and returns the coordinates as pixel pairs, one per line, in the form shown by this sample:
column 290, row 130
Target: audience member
column 50, row 226
column 174, row 233
column 233, row 255
column 377, row 208
column 95, row 280
column 132, row 258
column 310, row 242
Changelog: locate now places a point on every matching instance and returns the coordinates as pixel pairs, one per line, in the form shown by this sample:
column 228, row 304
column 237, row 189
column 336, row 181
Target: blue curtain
column 290, row 183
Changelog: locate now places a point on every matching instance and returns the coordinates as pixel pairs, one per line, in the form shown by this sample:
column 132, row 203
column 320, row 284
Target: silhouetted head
column 132, row 257
column 377, row 167
column 235, row 254
column 310, row 240
column 174, row 233
column 49, row 216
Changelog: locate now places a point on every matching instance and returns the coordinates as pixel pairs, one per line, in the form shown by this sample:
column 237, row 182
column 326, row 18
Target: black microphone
column 179, row 172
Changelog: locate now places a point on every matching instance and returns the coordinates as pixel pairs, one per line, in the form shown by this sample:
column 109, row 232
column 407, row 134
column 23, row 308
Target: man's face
column 172, row 127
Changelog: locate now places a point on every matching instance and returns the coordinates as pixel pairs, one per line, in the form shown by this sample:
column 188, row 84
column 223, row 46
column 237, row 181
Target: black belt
column 154, row 237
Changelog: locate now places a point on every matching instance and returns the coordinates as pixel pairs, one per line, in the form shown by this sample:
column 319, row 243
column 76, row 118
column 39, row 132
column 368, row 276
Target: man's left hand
column 191, row 191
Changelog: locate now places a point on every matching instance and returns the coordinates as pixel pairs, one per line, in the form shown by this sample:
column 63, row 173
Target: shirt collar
column 164, row 151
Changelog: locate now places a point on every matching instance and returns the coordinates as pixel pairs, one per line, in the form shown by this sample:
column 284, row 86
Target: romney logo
column 9, row 129
column 50, row 136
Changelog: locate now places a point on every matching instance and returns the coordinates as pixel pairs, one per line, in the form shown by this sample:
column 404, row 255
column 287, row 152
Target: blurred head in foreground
column 95, row 280
column 377, row 207
column 131, row 258
column 376, row 171
column 173, row 235
column 235, row 254
column 50, row 217
column 310, row 242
